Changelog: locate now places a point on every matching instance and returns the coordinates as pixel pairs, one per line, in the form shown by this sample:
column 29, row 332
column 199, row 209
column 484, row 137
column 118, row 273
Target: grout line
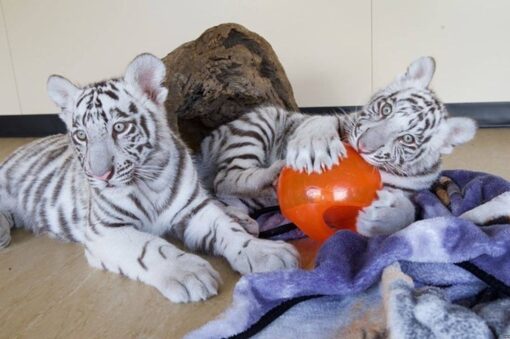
column 371, row 46
column 11, row 58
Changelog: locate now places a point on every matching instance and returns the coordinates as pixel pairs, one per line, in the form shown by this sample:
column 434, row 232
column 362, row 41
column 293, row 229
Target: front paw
column 189, row 278
column 389, row 213
column 315, row 146
column 259, row 255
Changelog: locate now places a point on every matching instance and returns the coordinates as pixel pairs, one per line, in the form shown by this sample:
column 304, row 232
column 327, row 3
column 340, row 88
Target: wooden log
column 221, row 75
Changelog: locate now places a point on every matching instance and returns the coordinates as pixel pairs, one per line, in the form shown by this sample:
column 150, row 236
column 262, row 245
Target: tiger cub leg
column 213, row 231
column 6, row 223
column 240, row 215
column 390, row 212
column 498, row 207
column 179, row 276
column 250, row 182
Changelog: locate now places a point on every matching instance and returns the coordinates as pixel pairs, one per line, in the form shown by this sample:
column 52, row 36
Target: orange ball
column 319, row 204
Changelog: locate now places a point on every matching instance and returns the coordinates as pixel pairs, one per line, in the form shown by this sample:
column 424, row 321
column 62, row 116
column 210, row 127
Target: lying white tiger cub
column 403, row 130
column 118, row 181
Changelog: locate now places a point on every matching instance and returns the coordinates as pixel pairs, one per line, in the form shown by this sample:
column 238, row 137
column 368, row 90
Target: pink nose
column 106, row 176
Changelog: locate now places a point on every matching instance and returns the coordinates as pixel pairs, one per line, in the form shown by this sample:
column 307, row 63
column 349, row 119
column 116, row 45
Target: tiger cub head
column 115, row 125
column 404, row 129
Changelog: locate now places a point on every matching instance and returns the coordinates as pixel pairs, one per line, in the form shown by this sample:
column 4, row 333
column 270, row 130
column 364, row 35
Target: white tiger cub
column 118, row 181
column 403, row 130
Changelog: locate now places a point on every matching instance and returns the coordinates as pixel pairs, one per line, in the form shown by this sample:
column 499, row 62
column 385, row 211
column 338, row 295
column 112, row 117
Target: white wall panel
column 324, row 45
column 8, row 97
column 468, row 38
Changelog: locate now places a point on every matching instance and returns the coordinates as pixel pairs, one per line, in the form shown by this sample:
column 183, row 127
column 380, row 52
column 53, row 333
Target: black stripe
column 111, row 94
column 44, row 182
column 179, row 228
column 31, row 158
column 400, row 188
column 269, row 125
column 123, row 212
column 64, row 170
column 142, row 255
column 272, row 315
column 485, row 277
column 237, row 145
column 174, row 187
column 187, row 203
column 244, row 133
column 247, row 156
column 42, row 209
column 160, row 250
column 139, row 205
column 262, row 131
column 64, row 225
column 143, row 124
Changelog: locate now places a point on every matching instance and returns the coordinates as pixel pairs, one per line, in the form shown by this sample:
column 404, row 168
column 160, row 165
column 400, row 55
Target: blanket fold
column 349, row 264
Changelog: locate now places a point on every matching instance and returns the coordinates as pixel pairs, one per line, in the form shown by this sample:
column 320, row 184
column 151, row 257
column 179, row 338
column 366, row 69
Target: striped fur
column 403, row 130
column 120, row 182
column 240, row 160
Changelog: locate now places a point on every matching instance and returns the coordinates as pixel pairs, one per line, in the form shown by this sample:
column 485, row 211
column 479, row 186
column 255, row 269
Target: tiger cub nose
column 105, row 176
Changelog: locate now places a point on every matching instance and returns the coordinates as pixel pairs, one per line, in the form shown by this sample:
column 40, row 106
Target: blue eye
column 407, row 139
column 80, row 135
column 386, row 110
column 120, row 127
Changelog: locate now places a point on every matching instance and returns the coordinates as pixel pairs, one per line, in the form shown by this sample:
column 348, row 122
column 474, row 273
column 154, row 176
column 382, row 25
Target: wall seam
column 13, row 70
column 371, row 46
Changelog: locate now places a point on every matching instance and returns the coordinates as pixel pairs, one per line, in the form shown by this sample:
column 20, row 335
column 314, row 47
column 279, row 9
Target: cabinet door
column 468, row 38
column 324, row 45
column 8, row 96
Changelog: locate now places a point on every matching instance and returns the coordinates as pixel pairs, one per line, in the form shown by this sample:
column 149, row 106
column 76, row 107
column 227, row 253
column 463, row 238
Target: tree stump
column 221, row 75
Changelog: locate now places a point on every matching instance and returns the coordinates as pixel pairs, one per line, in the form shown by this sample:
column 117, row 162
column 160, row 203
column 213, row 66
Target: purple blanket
column 349, row 263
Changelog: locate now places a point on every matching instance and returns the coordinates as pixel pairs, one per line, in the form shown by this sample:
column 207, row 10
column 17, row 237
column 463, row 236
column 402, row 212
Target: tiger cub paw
column 315, row 146
column 389, row 213
column 190, row 279
column 5, row 231
column 259, row 255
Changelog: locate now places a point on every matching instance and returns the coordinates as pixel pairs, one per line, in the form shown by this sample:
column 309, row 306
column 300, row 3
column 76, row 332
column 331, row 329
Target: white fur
column 120, row 233
column 64, row 94
column 419, row 74
column 494, row 208
column 390, row 212
column 146, row 73
column 459, row 131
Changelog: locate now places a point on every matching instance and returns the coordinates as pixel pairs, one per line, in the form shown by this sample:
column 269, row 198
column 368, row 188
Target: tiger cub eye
column 407, row 139
column 80, row 135
column 386, row 110
column 119, row 127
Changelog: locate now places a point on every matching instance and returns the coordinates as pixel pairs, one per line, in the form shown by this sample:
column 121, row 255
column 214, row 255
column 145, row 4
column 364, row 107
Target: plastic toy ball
column 319, row 204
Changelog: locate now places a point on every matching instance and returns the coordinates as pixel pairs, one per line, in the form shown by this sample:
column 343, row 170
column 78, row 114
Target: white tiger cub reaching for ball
column 403, row 130
column 118, row 181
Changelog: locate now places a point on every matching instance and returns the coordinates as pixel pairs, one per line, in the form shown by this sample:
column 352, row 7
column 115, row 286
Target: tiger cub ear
column 420, row 72
column 459, row 131
column 63, row 93
column 146, row 74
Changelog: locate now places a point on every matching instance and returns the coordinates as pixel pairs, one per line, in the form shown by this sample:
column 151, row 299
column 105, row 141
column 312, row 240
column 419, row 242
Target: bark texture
column 221, row 75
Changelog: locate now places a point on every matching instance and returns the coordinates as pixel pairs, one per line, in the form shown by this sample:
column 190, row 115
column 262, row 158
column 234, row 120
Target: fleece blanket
column 444, row 276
